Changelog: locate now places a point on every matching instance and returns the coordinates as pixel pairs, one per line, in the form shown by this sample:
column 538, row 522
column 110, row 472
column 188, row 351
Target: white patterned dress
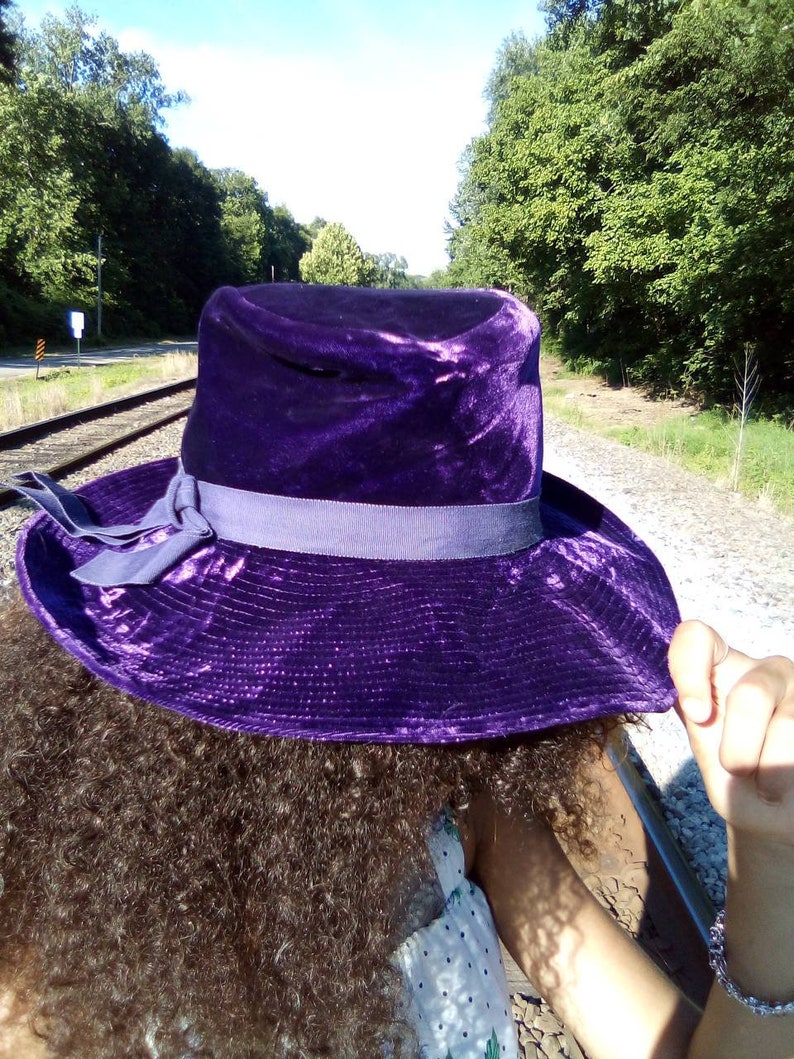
column 456, row 991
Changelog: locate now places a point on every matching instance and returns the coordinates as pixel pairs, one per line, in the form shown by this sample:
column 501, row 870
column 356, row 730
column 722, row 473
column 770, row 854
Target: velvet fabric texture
column 376, row 397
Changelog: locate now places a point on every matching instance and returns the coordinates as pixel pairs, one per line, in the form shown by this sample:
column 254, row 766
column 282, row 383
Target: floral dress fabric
column 456, row 992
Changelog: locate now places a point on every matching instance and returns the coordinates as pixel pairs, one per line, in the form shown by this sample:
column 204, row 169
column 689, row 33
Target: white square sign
column 77, row 322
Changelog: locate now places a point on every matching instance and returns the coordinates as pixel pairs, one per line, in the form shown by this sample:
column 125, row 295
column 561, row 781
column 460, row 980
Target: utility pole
column 99, row 286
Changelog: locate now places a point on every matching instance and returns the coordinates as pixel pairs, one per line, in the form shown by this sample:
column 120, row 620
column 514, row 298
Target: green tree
column 70, row 54
column 315, row 227
column 245, row 222
column 7, row 45
column 622, row 28
column 439, row 279
column 389, row 270
column 82, row 154
column 174, row 247
column 336, row 258
column 626, row 28
column 40, row 241
column 534, row 186
column 517, row 57
column 697, row 233
column 289, row 242
column 636, row 184
column 567, row 12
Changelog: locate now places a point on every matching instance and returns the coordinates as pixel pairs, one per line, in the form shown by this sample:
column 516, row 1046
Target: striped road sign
column 40, row 349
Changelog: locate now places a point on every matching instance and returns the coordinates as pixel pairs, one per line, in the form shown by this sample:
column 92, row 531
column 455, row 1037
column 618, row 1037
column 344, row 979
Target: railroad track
column 64, row 443
column 640, row 874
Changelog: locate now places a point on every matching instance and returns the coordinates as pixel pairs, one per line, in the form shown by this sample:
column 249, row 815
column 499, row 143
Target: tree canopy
column 335, row 257
column 82, row 153
column 7, row 45
column 636, row 185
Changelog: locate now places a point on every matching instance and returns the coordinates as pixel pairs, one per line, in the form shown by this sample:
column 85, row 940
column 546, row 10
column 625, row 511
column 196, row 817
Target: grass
column 706, row 444
column 27, row 400
column 555, row 400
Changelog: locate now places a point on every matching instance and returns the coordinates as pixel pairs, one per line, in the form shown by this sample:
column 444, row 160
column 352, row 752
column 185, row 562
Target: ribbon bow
column 143, row 566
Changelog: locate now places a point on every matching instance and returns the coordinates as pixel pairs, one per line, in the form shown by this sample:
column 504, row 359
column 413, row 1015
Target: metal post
column 99, row 285
column 78, row 351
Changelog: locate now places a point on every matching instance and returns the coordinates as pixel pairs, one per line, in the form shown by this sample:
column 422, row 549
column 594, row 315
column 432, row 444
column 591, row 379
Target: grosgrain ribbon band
column 370, row 531
column 197, row 512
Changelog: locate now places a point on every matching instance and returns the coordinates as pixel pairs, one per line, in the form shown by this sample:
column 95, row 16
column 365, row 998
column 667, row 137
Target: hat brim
column 285, row 644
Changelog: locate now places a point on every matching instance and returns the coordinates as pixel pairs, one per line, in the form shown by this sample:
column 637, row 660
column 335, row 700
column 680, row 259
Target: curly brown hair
column 175, row 889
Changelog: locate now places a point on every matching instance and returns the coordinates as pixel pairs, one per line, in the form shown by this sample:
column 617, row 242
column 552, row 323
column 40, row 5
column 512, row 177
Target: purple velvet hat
column 358, row 542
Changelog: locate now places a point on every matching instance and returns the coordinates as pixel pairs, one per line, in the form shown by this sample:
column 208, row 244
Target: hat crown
column 379, row 396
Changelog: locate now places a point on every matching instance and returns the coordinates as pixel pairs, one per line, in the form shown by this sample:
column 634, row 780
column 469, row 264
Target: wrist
column 719, row 964
column 759, row 919
column 754, row 857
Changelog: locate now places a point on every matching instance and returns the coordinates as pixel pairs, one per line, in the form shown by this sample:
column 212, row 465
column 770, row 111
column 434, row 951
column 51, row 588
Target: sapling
column 747, row 379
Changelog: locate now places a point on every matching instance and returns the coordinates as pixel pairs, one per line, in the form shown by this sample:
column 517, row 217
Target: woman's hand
column 739, row 713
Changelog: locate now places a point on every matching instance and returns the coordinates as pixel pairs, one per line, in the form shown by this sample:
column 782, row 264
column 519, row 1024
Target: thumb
column 695, row 651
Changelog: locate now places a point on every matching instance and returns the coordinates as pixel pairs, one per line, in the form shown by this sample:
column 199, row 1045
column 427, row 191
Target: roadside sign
column 77, row 322
column 39, row 354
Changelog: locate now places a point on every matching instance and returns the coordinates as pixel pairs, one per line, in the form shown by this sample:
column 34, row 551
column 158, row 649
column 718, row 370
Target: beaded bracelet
column 720, row 968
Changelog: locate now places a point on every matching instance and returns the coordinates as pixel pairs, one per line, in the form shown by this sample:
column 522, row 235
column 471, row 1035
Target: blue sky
column 356, row 112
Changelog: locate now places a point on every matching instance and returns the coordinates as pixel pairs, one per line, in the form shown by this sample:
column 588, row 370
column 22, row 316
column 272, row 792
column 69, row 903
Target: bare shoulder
column 17, row 1040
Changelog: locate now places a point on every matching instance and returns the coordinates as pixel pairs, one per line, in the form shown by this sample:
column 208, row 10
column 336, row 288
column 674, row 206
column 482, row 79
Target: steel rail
column 697, row 903
column 92, row 451
column 33, row 431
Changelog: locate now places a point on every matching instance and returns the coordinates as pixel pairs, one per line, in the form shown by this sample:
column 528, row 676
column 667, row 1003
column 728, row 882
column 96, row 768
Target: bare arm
column 600, row 983
column 740, row 717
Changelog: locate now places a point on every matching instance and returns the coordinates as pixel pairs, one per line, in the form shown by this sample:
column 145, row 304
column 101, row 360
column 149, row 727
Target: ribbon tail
column 71, row 514
column 143, row 566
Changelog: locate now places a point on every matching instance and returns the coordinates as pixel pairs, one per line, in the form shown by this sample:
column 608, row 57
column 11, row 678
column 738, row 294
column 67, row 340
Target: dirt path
column 596, row 401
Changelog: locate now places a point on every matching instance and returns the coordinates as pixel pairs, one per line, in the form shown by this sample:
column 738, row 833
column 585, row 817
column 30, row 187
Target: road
column 11, row 367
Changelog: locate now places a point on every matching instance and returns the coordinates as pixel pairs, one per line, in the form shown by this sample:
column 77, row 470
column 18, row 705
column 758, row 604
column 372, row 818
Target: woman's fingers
column 752, row 704
column 739, row 713
column 775, row 775
column 696, row 651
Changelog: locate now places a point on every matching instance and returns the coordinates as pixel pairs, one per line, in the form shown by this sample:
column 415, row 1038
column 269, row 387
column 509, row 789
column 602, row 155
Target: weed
column 556, row 401
column 747, row 381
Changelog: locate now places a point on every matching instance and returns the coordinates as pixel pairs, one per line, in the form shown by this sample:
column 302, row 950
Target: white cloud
column 339, row 108
column 371, row 141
